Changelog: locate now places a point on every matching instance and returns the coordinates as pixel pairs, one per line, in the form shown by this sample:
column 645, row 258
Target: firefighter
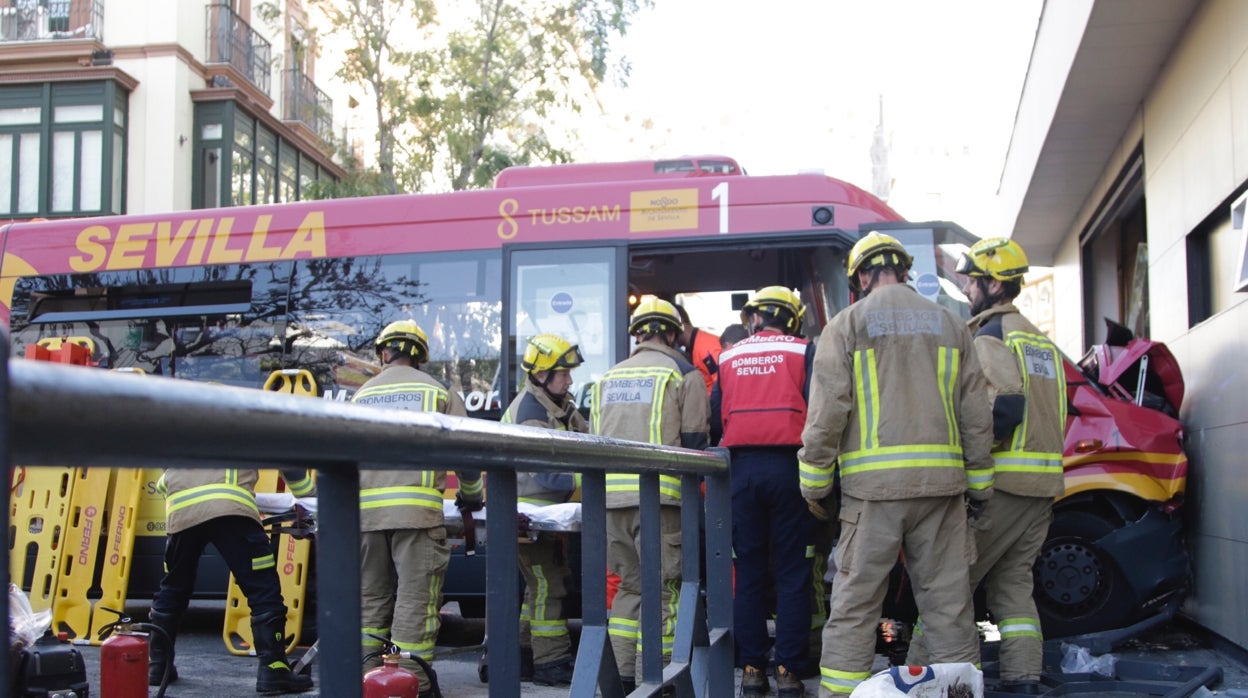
column 654, row 396
column 218, row 507
column 898, row 405
column 762, row 390
column 1027, row 393
column 544, row 402
column 403, row 547
column 701, row 348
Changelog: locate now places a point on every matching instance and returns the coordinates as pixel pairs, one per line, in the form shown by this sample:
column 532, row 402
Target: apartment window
column 62, row 149
column 243, row 168
column 287, row 173
column 239, row 160
column 266, row 165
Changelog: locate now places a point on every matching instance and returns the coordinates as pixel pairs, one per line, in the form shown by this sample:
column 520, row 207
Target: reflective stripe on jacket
column 897, row 397
column 654, row 396
column 1019, row 360
column 193, row 496
column 762, row 387
column 394, row 499
column 534, row 407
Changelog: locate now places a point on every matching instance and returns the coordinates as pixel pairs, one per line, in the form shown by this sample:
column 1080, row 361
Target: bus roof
column 702, row 208
column 584, row 172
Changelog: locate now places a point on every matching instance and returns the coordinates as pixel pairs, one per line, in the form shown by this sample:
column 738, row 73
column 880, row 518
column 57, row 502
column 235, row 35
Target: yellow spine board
column 291, row 554
column 76, row 573
column 39, row 504
column 292, row 570
column 123, row 511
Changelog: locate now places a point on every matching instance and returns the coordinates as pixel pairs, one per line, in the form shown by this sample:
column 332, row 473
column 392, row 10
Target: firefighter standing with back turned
column 219, row 507
column 763, row 385
column 654, row 396
column 544, row 402
column 403, row 547
column 898, row 404
column 1027, row 389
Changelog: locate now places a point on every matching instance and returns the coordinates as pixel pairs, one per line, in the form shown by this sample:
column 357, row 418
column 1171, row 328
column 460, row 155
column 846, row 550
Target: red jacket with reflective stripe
column 762, row 380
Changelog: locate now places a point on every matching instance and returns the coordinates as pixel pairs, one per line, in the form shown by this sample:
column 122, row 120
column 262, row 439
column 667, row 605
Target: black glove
column 465, row 504
column 817, row 509
column 975, row 508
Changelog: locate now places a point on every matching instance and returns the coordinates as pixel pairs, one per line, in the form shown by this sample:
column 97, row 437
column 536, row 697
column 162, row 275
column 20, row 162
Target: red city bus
column 229, row 295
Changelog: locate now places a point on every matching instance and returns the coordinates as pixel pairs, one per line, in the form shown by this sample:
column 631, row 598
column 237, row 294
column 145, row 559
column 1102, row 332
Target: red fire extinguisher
column 123, row 661
column 124, row 658
column 393, row 681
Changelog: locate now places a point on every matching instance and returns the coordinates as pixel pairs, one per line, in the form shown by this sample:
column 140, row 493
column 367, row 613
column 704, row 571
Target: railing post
column 6, row 457
column 718, row 528
column 502, row 598
column 338, row 594
column 595, row 662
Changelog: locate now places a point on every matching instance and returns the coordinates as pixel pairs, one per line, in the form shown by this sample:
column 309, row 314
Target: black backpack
column 50, row 666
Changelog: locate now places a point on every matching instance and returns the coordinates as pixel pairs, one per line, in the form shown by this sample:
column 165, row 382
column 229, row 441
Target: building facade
column 1127, row 172
column 146, row 106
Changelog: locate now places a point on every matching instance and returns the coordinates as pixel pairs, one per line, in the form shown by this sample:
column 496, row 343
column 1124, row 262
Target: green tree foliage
column 492, row 88
column 385, row 55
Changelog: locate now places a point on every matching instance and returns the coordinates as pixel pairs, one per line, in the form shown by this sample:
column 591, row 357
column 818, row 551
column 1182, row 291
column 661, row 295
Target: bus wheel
column 1078, row 587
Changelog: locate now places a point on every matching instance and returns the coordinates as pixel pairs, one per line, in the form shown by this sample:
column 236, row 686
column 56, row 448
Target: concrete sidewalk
column 207, row 670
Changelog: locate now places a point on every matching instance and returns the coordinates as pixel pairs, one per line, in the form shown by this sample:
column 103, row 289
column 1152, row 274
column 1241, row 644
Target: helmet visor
column 570, row 359
column 967, row 266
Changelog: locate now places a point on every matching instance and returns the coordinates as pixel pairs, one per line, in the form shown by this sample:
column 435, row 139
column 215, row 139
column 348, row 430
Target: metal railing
column 231, row 40
column 52, row 21
column 111, row 418
column 307, row 103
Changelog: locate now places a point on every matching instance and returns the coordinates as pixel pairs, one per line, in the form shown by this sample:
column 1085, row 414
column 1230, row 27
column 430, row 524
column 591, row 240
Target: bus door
column 713, row 279
column 575, row 292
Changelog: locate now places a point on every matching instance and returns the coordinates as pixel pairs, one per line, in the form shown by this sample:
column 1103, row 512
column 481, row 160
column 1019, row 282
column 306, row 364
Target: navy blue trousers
column 243, row 545
column 771, row 530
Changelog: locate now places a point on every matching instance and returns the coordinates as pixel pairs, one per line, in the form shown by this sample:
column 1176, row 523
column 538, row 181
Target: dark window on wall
column 1216, row 255
column 62, row 149
column 239, row 161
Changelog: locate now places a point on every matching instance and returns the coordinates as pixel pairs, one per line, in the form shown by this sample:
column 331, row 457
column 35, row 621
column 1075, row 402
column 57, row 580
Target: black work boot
column 754, row 681
column 160, row 648
column 788, row 684
column 274, row 676
column 556, row 673
column 526, row 663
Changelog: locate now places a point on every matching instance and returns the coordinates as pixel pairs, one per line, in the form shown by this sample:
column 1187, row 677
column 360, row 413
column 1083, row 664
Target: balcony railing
column 308, row 104
column 232, row 41
column 29, row 20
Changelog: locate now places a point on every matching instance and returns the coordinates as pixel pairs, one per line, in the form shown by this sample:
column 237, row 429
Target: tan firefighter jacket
column 534, row 407
column 654, row 396
column 1027, row 391
column 193, row 496
column 897, row 402
column 394, row 499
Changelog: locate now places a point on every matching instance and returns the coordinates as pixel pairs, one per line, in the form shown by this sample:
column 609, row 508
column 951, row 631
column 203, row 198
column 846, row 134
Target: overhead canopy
column 1091, row 68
